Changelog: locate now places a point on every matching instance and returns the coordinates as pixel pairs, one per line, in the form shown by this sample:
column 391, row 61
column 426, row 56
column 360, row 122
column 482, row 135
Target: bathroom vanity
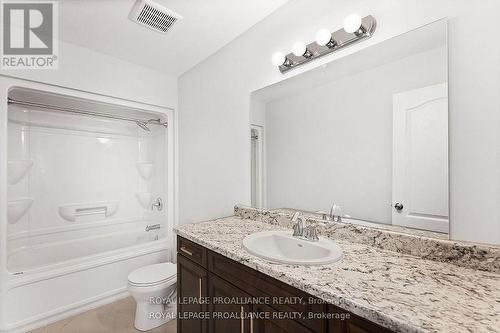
column 205, row 274
column 371, row 289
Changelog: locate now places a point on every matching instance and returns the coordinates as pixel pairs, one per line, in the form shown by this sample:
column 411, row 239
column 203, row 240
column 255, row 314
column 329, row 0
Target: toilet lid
column 153, row 274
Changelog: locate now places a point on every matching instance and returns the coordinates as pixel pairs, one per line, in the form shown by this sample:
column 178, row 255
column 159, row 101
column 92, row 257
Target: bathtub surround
column 410, row 242
column 84, row 180
column 91, row 205
column 401, row 292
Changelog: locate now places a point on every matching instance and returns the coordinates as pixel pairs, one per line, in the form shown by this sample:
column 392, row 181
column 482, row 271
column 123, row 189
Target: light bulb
column 299, row 49
column 278, row 59
column 352, row 23
column 323, row 37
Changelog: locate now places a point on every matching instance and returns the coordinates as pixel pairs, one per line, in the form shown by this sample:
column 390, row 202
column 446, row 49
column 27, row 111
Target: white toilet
column 154, row 289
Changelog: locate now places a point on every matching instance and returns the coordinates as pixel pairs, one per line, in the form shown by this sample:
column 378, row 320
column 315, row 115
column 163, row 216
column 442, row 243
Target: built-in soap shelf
column 144, row 199
column 73, row 211
column 18, row 208
column 145, row 170
column 17, row 169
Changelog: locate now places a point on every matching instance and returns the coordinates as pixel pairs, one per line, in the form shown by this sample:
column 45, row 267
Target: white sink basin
column 282, row 247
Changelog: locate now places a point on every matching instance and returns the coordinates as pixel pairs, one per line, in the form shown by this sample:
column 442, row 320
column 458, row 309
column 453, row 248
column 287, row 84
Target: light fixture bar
column 341, row 38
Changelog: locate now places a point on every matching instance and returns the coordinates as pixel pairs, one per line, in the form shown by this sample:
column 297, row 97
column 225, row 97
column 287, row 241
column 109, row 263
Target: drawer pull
column 242, row 330
column 251, row 323
column 186, row 251
column 199, row 285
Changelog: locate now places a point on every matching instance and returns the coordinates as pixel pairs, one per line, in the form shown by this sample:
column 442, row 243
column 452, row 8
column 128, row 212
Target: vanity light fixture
column 355, row 29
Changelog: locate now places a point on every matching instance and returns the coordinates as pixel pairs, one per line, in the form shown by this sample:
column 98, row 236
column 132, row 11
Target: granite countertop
column 402, row 292
column 374, row 225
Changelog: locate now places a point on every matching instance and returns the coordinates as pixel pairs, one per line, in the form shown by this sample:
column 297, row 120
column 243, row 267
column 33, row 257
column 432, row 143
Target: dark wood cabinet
column 231, row 297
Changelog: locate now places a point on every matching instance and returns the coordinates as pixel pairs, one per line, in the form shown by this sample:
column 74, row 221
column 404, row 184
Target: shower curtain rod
column 80, row 111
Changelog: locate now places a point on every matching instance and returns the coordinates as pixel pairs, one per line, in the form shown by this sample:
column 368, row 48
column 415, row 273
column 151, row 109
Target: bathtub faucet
column 158, row 204
column 153, row 227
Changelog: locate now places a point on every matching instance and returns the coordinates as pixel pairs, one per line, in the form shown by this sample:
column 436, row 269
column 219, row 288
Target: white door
column 420, row 158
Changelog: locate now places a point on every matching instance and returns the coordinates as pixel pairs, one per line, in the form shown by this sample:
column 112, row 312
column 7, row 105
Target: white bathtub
column 48, row 282
column 30, row 258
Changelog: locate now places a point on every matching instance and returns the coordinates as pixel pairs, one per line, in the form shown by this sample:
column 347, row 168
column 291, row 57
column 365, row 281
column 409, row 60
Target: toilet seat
column 153, row 275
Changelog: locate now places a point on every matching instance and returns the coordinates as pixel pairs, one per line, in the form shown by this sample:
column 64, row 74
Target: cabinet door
column 191, row 291
column 268, row 320
column 229, row 313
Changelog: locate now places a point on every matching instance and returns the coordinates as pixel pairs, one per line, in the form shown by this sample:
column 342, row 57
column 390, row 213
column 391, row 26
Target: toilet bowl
column 154, row 289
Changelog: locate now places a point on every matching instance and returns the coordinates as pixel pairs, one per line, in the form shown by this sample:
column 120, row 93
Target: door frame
column 260, row 187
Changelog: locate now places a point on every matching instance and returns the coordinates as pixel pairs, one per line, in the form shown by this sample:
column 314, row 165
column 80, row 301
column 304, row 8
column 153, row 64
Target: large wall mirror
column 367, row 133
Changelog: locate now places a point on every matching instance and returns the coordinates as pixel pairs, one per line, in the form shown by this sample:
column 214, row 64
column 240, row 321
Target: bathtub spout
column 153, row 227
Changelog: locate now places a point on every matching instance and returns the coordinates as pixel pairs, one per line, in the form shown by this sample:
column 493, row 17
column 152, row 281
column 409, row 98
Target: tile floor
column 117, row 317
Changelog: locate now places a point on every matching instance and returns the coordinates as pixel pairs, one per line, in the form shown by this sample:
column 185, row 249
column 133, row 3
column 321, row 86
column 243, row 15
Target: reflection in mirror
column 363, row 139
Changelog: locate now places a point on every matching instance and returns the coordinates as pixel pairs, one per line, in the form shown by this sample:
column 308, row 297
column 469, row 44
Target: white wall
column 86, row 70
column 214, row 104
column 327, row 145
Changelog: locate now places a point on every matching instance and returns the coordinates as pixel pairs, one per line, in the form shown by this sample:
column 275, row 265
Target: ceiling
column 207, row 25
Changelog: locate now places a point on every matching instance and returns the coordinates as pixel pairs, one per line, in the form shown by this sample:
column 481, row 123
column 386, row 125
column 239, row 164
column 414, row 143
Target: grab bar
column 91, row 210
column 71, row 212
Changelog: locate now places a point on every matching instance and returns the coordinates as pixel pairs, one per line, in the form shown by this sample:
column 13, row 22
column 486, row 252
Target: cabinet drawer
column 261, row 285
column 192, row 251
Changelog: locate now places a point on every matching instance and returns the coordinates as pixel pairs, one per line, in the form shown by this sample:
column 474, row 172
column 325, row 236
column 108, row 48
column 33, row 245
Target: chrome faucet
column 299, row 226
column 300, row 230
column 336, row 213
column 324, row 215
column 153, row 227
column 311, row 234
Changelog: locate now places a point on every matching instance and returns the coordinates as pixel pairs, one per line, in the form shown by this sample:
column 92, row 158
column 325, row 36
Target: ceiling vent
column 153, row 16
